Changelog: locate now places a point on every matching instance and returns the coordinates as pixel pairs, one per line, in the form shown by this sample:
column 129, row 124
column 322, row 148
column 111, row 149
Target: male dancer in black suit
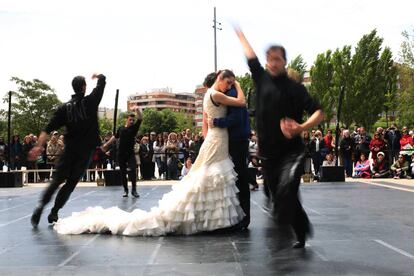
column 126, row 155
column 238, row 125
column 80, row 117
column 280, row 105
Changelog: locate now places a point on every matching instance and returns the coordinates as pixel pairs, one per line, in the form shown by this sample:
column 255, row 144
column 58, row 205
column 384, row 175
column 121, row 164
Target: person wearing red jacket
column 376, row 145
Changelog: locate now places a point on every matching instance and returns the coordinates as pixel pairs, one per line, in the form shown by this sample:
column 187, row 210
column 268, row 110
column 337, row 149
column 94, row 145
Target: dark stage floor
column 360, row 229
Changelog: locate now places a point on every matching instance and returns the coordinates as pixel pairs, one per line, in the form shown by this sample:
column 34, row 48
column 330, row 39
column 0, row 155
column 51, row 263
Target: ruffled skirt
column 204, row 200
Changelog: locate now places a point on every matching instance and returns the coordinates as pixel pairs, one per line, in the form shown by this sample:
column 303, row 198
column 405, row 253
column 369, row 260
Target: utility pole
column 216, row 26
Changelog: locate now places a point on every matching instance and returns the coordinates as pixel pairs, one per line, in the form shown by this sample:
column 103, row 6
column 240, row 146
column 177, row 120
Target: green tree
column 151, row 121
column 389, row 75
column 246, row 83
column 405, row 108
column 169, row 120
column 184, row 121
column 321, row 87
column 299, row 65
column 3, row 124
column 249, row 89
column 33, row 104
column 105, row 125
column 407, row 49
column 342, row 77
column 370, row 72
column 406, row 80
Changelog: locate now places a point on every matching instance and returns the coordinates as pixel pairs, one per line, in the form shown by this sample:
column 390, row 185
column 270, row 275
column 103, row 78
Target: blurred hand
column 95, row 75
column 290, row 128
column 34, row 153
column 210, row 122
column 139, row 113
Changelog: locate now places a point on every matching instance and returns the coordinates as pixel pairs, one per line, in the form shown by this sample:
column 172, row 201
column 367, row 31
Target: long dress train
column 204, row 200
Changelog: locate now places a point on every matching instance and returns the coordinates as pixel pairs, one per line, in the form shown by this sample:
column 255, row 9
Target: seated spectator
column 380, row 167
column 186, row 168
column 362, row 168
column 400, row 168
column 329, row 160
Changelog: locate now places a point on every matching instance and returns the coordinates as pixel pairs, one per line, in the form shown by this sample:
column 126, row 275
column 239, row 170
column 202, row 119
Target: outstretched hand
column 95, row 75
column 34, row 153
column 139, row 113
column 290, row 128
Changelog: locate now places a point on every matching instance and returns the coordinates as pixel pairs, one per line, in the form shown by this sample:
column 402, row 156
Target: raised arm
column 248, row 50
column 98, row 91
column 139, row 119
column 255, row 67
column 107, row 144
column 222, row 98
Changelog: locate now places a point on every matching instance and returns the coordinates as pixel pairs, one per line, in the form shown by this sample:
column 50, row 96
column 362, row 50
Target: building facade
column 108, row 113
column 164, row 98
column 199, row 96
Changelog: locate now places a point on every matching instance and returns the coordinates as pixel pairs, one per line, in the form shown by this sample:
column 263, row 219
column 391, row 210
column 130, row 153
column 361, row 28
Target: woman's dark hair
column 211, row 78
column 225, row 74
column 18, row 139
column 157, row 141
column 78, row 83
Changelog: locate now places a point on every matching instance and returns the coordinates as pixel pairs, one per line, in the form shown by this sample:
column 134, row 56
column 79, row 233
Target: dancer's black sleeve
column 98, row 91
column 135, row 127
column 256, row 69
column 310, row 105
column 57, row 121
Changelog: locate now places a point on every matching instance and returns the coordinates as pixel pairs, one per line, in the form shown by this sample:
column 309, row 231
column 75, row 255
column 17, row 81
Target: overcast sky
column 141, row 45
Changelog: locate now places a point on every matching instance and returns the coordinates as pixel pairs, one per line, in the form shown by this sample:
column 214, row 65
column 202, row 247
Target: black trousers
column 128, row 162
column 239, row 151
column 282, row 176
column 69, row 169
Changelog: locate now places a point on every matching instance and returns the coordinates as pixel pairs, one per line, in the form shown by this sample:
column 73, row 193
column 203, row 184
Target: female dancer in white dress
column 204, row 200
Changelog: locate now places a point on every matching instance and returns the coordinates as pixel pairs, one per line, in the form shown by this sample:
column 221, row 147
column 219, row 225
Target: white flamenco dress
column 204, row 200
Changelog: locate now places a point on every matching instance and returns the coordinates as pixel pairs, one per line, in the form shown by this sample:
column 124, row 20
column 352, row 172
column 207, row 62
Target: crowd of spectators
column 169, row 156
column 390, row 153
column 170, row 153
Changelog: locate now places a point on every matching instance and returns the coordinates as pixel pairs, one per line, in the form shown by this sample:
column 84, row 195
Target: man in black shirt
column 126, row 155
column 80, row 117
column 280, row 105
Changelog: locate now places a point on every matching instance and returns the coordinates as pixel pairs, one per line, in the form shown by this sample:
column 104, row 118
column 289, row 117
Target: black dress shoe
column 52, row 217
column 298, row 244
column 37, row 213
column 125, row 194
column 135, row 194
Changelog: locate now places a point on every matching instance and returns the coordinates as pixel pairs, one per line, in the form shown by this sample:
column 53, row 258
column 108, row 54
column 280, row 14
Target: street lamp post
column 9, row 132
column 216, row 26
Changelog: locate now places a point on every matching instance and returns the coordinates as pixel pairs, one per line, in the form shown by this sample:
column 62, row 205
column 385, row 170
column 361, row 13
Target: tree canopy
column 33, row 104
